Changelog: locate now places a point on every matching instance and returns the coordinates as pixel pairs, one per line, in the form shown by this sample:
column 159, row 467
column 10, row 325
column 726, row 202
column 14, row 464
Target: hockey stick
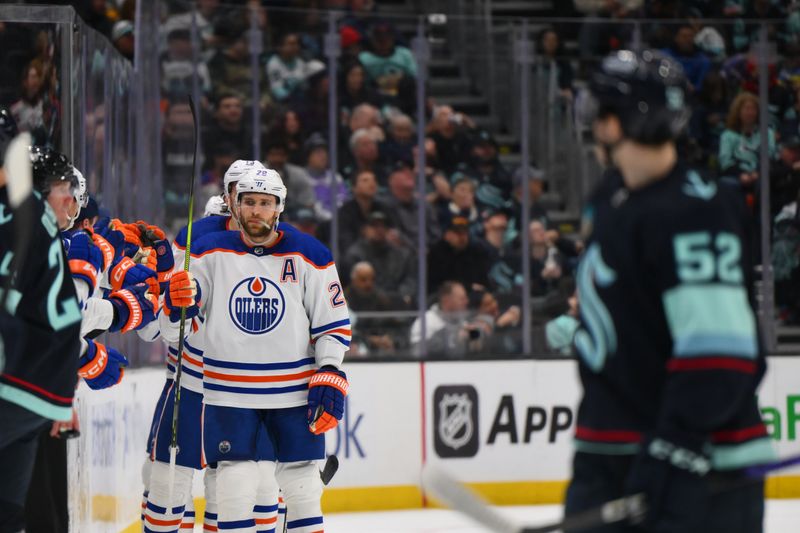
column 456, row 496
column 173, row 443
column 19, row 184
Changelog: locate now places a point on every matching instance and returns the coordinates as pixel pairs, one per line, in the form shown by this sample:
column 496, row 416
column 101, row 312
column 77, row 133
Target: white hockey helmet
column 82, row 192
column 237, row 170
column 215, row 206
column 264, row 181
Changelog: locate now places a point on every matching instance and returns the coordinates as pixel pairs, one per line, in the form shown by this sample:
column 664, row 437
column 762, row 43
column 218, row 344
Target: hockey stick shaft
column 173, row 444
column 459, row 498
column 19, row 184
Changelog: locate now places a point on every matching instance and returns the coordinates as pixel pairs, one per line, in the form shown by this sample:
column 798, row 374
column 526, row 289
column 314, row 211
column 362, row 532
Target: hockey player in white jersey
column 275, row 333
column 158, row 513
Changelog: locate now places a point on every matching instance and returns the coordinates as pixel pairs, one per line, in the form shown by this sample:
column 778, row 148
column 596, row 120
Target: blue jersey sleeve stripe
column 253, row 390
column 340, row 339
column 332, row 325
column 265, row 508
column 259, row 366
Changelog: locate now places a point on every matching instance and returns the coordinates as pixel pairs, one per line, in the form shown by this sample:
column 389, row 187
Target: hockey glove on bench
column 134, row 308
column 85, row 259
column 326, row 392
column 101, row 367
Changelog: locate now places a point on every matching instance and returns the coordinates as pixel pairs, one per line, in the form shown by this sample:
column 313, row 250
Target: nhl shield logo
column 456, row 421
column 455, row 425
column 256, row 305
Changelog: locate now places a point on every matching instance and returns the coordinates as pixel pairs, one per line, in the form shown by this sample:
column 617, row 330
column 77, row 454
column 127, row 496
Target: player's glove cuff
column 327, row 390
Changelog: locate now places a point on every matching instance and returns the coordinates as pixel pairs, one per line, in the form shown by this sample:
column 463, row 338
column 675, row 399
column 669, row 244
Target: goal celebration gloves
column 182, row 291
column 134, row 308
column 165, row 263
column 101, row 367
column 124, row 273
column 85, row 259
column 115, row 238
column 326, row 392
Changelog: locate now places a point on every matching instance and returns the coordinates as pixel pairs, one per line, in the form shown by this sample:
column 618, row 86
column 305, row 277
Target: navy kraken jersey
column 41, row 323
column 669, row 340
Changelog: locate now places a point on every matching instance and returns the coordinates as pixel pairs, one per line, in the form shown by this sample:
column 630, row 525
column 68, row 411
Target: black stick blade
column 331, row 466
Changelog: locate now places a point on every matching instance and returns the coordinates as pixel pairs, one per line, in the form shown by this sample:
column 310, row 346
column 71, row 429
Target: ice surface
column 783, row 516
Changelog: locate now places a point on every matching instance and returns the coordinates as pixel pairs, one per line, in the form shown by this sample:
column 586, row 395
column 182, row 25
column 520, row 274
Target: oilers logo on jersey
column 256, row 305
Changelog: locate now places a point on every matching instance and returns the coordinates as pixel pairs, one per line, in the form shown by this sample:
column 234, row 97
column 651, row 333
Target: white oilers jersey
column 273, row 315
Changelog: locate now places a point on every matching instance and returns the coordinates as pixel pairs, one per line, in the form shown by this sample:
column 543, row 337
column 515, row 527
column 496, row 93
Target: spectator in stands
column 228, row 125
column 707, row 38
column 359, row 16
column 708, row 115
column 560, row 332
column 329, row 196
column 398, row 270
column 400, row 140
column 94, row 13
column 299, row 185
column 31, row 111
column 447, row 330
column 403, row 204
column 449, row 130
column 122, row 38
column 552, row 57
column 364, row 116
column 495, row 231
column 211, row 181
column 364, row 155
column 288, row 126
column 499, row 331
column 494, row 183
column 739, row 143
column 536, row 179
column 458, row 257
column 354, row 90
column 286, row 70
column 350, row 41
column 546, row 262
column 354, row 213
column 391, row 67
column 370, row 335
column 206, row 13
column 230, row 67
column 746, row 27
column 177, row 66
column 177, row 149
column 312, row 109
column 462, row 203
column 597, row 38
column 306, row 221
column 694, row 62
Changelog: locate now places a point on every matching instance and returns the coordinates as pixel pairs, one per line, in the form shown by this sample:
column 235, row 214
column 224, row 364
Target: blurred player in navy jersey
column 670, row 356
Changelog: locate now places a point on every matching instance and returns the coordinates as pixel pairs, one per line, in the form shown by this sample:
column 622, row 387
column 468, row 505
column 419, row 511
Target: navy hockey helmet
column 50, row 167
column 8, row 130
column 645, row 90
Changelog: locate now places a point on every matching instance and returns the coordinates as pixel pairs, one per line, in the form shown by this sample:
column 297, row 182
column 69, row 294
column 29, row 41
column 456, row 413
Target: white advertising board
column 504, row 426
column 501, row 420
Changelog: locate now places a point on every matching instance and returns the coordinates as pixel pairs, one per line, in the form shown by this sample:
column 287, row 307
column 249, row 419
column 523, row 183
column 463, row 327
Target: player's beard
column 258, row 231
